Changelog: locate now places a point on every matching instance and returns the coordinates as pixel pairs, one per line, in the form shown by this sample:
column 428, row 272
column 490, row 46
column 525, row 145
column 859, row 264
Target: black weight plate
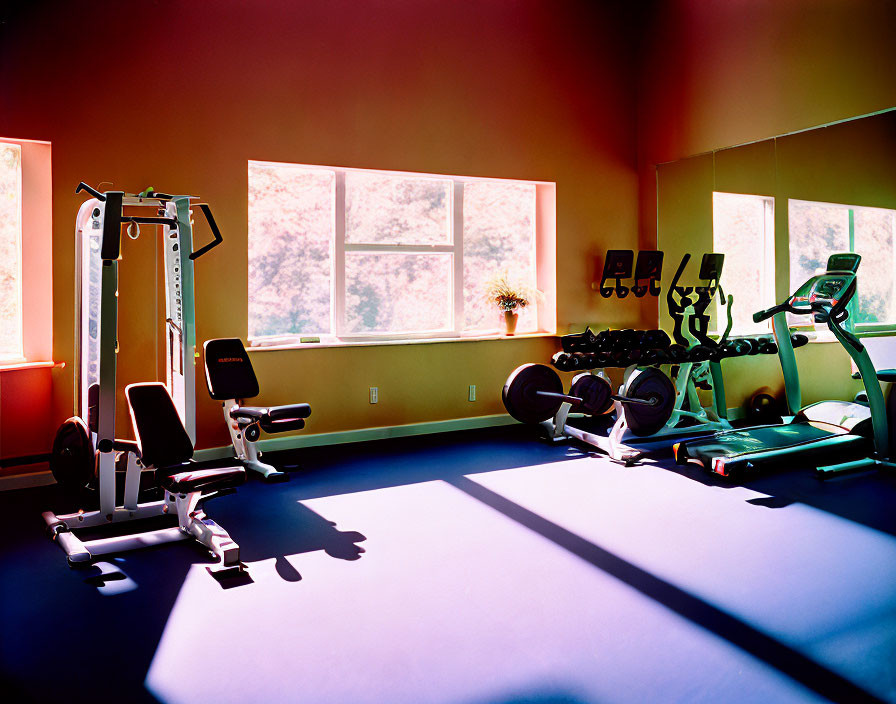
column 649, row 384
column 72, row 459
column 595, row 392
column 520, row 393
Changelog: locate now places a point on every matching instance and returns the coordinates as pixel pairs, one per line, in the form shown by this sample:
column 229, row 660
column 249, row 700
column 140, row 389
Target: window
column 351, row 254
column 818, row 230
column 743, row 229
column 26, row 252
column 11, row 347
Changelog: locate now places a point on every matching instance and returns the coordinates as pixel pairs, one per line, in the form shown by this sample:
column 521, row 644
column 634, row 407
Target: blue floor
column 478, row 567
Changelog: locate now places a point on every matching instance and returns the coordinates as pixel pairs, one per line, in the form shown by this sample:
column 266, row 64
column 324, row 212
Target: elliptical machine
column 86, row 451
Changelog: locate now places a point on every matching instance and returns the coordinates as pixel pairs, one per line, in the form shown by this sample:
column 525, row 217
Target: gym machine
column 853, row 435
column 231, row 379
column 86, row 452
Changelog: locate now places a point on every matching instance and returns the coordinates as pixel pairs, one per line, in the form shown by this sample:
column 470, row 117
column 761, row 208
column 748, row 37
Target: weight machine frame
column 97, row 254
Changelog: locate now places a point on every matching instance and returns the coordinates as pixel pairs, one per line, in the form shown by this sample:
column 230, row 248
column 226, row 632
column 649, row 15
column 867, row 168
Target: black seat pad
column 179, row 481
column 228, row 371
column 160, row 432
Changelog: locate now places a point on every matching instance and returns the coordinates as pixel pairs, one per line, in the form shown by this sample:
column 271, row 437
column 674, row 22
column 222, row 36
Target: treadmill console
column 844, row 261
column 828, row 287
column 833, row 289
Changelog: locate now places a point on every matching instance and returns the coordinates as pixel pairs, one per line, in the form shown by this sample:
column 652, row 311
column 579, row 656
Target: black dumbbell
column 677, row 354
column 738, row 347
column 797, row 339
column 578, row 342
column 655, row 339
column 700, row 353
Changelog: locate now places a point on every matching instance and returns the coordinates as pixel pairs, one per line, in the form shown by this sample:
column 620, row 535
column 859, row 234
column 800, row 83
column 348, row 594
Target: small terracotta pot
column 510, row 319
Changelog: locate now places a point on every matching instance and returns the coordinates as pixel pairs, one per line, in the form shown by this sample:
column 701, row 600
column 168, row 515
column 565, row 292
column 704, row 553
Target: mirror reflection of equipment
column 853, row 436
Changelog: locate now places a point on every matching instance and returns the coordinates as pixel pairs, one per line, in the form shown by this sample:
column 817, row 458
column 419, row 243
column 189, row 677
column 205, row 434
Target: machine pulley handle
column 215, row 232
column 92, row 191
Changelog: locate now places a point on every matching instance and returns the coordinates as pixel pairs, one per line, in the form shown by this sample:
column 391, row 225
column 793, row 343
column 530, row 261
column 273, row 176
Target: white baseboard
column 293, row 442
column 25, row 480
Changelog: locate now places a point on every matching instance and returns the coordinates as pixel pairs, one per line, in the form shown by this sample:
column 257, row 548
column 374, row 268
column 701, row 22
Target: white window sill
column 17, row 365
column 260, row 346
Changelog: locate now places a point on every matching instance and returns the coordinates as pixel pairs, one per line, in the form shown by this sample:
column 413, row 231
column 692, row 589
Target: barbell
column 534, row 393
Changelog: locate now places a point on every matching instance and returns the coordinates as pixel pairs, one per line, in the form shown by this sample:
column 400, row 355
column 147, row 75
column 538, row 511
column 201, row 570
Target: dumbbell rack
column 693, row 371
column 649, row 406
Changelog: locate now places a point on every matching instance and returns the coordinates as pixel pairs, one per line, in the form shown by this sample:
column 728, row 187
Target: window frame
column 35, row 243
column 767, row 278
column 17, row 246
column 542, row 259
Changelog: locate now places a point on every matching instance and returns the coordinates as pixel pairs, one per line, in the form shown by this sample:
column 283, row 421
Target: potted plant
column 508, row 296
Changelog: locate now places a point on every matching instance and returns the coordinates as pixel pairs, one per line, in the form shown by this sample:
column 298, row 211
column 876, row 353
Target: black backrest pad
column 228, row 371
column 160, row 432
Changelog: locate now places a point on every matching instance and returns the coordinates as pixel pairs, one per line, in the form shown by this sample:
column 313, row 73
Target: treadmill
column 852, row 435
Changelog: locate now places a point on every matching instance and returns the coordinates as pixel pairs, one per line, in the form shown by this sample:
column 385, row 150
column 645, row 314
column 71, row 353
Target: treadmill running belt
column 765, row 437
column 743, row 450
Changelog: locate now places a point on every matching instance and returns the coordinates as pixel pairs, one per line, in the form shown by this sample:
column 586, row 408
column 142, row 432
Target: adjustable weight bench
column 164, row 446
column 231, row 379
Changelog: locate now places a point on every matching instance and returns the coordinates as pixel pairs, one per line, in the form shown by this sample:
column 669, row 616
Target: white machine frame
column 98, row 223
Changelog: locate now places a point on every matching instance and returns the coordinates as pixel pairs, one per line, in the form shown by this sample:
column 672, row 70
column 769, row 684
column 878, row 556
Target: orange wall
column 26, row 428
column 717, row 74
column 179, row 95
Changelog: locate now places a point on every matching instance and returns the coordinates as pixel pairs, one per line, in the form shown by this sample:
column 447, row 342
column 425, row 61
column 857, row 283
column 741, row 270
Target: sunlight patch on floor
column 451, row 602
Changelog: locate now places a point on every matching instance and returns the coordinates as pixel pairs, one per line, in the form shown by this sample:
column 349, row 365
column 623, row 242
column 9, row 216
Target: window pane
column 877, row 284
column 499, row 237
column 741, row 227
column 10, row 229
column 388, row 209
column 817, row 230
column 395, row 293
column 291, row 225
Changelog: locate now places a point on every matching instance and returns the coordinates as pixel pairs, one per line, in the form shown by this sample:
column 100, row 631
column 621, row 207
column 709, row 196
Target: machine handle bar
column 92, row 191
column 215, row 232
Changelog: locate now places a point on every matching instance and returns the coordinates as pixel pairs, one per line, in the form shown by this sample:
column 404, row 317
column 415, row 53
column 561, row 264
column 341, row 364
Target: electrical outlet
column 374, row 394
column 472, row 396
